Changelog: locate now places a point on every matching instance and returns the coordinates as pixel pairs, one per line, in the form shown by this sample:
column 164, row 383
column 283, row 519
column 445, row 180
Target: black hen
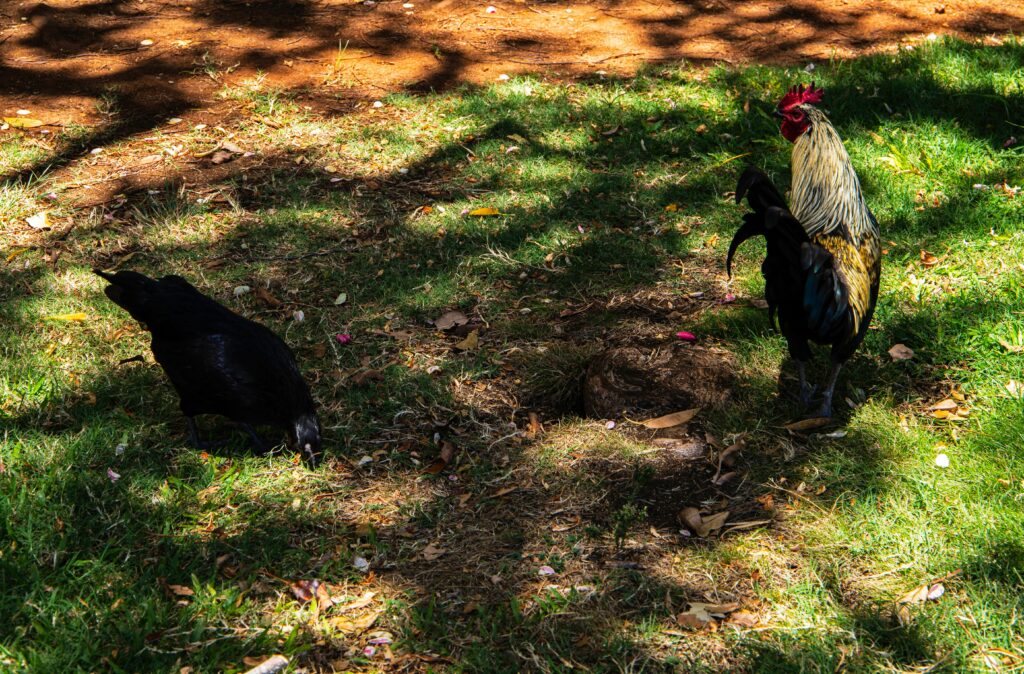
column 218, row 361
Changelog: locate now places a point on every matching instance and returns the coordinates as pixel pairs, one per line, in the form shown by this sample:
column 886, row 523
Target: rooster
column 823, row 260
column 218, row 361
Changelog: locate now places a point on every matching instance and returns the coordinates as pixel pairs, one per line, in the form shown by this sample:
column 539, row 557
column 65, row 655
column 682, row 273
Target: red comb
column 801, row 94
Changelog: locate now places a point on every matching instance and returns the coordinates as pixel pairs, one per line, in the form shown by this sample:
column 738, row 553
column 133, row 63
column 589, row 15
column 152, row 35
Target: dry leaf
column 451, row 319
column 722, row 479
column 38, row 221
column 305, row 590
column 267, row 297
column 365, row 600
column 486, row 210
column 472, row 341
column 701, row 526
column 808, row 424
column 432, row 552
column 443, row 459
column 693, row 621
column 928, row 260
column 918, row 595
column 743, row 619
column 22, row 122
column 947, row 404
column 77, row 316
column 670, row 420
column 535, row 428
column 700, row 615
column 352, row 625
column 1012, row 348
column 181, row 590
column 901, row 352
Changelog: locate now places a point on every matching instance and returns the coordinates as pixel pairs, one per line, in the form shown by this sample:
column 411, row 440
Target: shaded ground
column 614, row 219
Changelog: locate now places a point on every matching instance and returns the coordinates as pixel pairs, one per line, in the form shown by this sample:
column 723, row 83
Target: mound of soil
column 630, row 380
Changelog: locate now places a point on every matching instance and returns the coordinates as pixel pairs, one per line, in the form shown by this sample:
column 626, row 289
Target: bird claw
column 807, row 394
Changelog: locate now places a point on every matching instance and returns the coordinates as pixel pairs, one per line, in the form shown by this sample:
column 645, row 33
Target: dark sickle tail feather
column 765, row 201
column 752, row 226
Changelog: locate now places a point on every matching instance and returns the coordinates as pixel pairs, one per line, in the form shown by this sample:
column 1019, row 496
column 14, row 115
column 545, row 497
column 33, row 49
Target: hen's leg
column 193, row 437
column 826, row 403
column 258, row 445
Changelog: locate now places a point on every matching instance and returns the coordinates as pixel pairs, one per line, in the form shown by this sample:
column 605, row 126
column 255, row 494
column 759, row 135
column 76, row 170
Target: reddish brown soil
column 57, row 58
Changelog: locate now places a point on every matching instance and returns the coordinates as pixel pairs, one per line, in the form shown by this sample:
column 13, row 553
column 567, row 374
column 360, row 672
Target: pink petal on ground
column 686, row 336
column 343, row 338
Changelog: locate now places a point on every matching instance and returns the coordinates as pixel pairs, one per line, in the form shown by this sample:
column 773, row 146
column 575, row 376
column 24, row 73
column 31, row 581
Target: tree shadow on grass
column 517, row 622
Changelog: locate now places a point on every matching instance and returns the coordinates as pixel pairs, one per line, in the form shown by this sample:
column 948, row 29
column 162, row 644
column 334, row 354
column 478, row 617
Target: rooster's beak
column 778, row 114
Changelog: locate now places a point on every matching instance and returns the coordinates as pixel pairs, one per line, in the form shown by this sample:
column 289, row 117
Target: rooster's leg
column 806, row 391
column 826, row 402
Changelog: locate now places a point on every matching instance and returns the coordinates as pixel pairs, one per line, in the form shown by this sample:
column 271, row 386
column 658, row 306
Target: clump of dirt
column 627, row 380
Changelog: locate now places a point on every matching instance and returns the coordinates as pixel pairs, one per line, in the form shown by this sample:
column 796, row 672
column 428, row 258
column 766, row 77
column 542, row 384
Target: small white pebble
column 199, row 127
column 408, row 5
column 491, row 9
column 365, row 460
column 378, row 104
column 503, row 77
column 299, row 316
column 361, row 564
column 119, row 450
column 610, row 425
column 403, row 171
column 174, row 120
column 96, row 150
column 241, row 290
column 24, row 112
column 942, row 461
column 146, row 43
column 932, row 37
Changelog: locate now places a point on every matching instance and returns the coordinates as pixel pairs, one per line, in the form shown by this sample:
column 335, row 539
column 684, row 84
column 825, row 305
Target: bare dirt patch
column 60, row 58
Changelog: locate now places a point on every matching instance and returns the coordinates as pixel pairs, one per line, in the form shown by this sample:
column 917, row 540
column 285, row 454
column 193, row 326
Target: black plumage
column 218, row 361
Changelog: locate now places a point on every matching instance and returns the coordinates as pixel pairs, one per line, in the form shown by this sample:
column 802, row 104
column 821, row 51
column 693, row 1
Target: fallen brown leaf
column 808, row 424
column 702, row 526
column 469, row 343
column 450, row 319
column 267, row 297
column 670, row 420
column 443, row 458
column 901, row 352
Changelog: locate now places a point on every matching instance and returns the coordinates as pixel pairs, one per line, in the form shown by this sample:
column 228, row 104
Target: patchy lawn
column 544, row 542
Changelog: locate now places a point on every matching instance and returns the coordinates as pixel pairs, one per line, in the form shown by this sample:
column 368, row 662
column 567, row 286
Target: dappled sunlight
column 487, row 524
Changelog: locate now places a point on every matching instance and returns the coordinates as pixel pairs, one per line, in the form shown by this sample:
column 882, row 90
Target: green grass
column 375, row 205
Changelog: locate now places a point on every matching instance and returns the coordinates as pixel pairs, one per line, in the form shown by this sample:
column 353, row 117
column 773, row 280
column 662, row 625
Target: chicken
column 218, row 361
column 823, row 260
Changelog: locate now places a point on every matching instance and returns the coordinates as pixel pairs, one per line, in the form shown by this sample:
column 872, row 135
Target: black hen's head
column 307, row 439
